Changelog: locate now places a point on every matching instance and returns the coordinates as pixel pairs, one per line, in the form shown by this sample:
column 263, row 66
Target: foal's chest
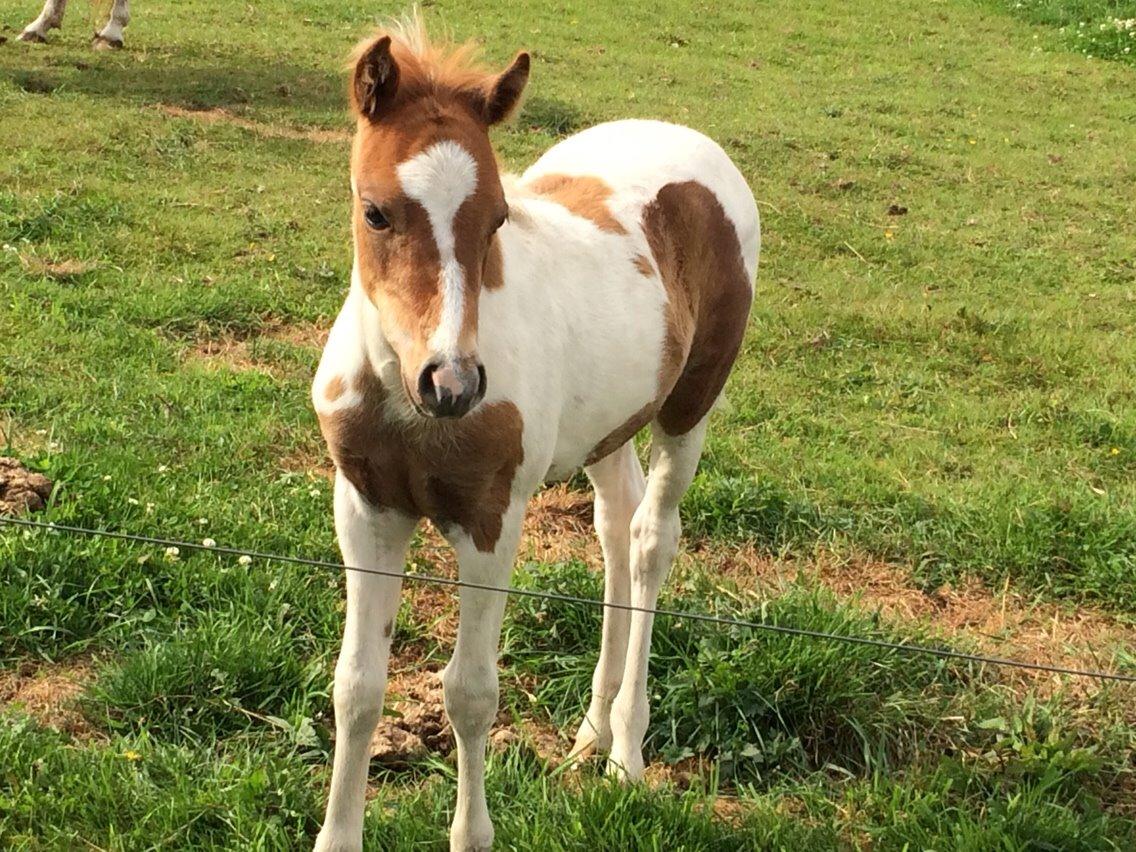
column 453, row 471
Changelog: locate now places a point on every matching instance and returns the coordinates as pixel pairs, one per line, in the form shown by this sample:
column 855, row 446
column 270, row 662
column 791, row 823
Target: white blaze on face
column 441, row 178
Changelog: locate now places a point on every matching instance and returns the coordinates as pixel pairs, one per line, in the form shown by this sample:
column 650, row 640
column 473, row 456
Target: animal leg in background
column 51, row 18
column 110, row 36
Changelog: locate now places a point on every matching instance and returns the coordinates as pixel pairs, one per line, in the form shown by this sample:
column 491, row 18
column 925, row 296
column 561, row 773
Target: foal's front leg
column 470, row 679
column 376, row 541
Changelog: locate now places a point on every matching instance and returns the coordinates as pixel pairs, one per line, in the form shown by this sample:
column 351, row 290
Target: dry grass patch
column 49, row 693
column 241, row 352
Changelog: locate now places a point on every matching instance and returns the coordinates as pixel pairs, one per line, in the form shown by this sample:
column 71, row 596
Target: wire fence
column 434, row 579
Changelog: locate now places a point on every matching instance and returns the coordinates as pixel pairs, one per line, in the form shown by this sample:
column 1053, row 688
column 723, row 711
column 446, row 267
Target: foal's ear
column 375, row 79
column 503, row 92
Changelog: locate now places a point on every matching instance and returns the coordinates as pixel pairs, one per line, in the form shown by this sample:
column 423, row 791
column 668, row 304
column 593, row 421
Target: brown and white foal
column 498, row 335
column 51, row 18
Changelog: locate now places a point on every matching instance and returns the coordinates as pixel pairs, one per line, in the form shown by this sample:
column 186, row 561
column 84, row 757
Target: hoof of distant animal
column 103, row 43
column 31, row 36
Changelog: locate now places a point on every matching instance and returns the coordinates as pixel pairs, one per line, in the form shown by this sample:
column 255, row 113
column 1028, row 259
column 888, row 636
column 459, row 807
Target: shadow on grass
column 224, row 77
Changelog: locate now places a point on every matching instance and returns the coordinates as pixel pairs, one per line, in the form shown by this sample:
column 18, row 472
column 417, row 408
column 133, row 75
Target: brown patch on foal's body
column 582, row 195
column 454, row 472
column 700, row 262
column 335, row 389
column 696, row 248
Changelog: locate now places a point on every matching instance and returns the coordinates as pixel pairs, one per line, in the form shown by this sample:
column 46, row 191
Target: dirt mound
column 21, row 490
column 417, row 725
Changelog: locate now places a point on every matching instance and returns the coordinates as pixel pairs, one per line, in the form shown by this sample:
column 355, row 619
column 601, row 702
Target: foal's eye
column 375, row 218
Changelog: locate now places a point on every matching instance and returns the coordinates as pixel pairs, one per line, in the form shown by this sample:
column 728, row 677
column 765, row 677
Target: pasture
column 930, row 437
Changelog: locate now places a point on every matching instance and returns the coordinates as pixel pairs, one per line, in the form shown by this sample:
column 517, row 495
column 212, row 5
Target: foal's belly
column 611, row 388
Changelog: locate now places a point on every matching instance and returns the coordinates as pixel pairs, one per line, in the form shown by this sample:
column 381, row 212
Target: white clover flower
column 245, row 560
column 162, row 468
column 208, row 542
column 202, row 521
column 132, row 501
column 315, row 492
column 172, row 553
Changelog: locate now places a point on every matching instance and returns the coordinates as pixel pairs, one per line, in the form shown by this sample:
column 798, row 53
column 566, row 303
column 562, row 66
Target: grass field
column 931, row 436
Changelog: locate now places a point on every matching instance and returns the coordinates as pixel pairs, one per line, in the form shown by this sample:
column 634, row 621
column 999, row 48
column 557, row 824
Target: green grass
column 1105, row 29
column 948, row 389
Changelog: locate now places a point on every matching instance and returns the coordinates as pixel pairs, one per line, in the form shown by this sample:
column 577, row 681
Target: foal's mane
column 439, row 68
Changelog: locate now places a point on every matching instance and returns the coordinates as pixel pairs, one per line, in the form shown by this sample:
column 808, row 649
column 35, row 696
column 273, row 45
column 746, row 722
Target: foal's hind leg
column 655, row 531
column 619, row 484
column 51, row 18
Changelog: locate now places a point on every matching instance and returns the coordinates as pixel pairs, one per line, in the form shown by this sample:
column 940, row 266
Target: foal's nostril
column 450, row 388
column 426, row 391
column 481, row 383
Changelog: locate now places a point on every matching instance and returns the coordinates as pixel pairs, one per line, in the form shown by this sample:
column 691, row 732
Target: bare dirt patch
column 21, row 490
column 48, row 693
column 216, row 115
column 1004, row 622
column 58, row 269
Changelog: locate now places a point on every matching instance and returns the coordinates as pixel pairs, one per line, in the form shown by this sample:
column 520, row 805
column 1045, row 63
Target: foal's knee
column 358, row 698
column 471, row 696
column 654, row 537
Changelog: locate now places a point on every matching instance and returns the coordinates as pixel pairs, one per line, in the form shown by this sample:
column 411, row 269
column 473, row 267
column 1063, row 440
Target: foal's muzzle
column 450, row 387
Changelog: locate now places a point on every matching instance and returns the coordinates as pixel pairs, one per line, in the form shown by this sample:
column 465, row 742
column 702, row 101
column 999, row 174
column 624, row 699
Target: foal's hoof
column 103, row 43
column 589, row 742
column 32, row 37
column 627, row 768
column 472, row 839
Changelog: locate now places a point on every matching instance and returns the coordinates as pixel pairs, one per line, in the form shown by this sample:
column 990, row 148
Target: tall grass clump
column 756, row 701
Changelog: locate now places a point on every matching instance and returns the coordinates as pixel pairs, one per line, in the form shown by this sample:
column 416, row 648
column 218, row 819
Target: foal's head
column 427, row 202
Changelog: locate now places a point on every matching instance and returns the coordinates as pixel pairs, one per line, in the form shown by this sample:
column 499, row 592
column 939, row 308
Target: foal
column 492, row 339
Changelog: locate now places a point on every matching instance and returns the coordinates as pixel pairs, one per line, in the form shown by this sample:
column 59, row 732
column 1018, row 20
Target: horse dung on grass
column 499, row 332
